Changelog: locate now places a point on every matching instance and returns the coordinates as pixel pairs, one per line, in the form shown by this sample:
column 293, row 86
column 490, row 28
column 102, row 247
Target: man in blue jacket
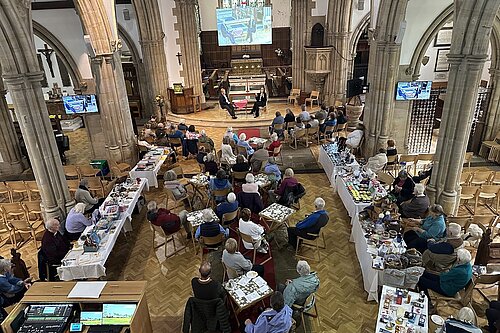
column 312, row 224
column 12, row 289
column 277, row 319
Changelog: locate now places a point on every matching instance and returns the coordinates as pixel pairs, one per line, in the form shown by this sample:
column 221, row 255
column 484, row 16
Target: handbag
column 414, row 257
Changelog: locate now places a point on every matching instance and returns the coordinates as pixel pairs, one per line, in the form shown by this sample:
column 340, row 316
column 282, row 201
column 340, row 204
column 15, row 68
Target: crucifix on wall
column 47, row 53
column 179, row 55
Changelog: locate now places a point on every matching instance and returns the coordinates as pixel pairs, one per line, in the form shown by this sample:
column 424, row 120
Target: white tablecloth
column 352, row 207
column 330, row 168
column 91, row 265
column 371, row 276
column 150, row 175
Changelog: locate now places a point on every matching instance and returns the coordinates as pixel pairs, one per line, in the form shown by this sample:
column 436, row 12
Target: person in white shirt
column 377, row 163
column 354, row 138
column 247, row 227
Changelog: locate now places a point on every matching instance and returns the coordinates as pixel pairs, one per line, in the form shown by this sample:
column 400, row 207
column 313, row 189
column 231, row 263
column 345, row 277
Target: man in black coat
column 260, row 102
column 225, row 103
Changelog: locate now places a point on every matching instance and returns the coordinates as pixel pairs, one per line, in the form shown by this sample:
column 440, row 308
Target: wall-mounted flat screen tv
column 80, row 104
column 411, row 90
column 244, row 26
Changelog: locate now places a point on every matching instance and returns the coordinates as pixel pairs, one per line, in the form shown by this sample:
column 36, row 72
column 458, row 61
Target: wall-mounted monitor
column 244, row 26
column 411, row 90
column 80, row 104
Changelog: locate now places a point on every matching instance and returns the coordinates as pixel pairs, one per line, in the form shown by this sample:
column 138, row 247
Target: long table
column 79, row 265
column 151, row 174
column 353, row 208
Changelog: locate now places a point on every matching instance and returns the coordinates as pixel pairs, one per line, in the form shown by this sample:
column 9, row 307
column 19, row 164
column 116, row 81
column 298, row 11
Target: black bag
column 141, row 202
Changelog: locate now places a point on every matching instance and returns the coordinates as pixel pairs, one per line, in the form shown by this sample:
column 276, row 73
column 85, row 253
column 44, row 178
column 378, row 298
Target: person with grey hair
column 172, row 184
column 232, row 258
column 228, row 206
column 403, row 187
column 417, row 206
column 11, row 287
column 204, row 138
column 297, row 290
column 378, row 161
column 76, row 222
column 167, row 220
column 83, row 195
column 210, row 227
column 304, row 116
column 312, row 224
column 275, row 143
column 210, row 165
column 243, row 143
column 250, row 186
column 286, row 186
column 54, row 245
column 450, row 282
column 227, row 154
column 273, row 171
column 442, row 255
column 419, row 231
column 277, row 319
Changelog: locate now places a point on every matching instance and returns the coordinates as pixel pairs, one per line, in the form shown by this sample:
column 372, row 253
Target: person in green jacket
column 450, row 282
column 297, row 290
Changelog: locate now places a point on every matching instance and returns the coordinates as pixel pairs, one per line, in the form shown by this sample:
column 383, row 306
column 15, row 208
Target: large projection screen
column 244, row 26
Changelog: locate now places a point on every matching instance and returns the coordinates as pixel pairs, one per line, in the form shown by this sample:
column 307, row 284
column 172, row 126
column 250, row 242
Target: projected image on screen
column 244, row 26
column 413, row 90
column 80, row 104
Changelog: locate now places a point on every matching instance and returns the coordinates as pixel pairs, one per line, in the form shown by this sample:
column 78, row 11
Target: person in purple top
column 277, row 319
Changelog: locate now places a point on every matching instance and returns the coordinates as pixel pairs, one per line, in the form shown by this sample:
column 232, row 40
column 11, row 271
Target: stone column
column 153, row 53
column 115, row 118
column 339, row 20
column 493, row 122
column 300, row 15
column 10, row 152
column 467, row 56
column 383, row 68
column 187, row 26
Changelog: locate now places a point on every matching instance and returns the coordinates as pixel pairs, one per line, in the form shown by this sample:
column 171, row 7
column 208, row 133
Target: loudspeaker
column 88, row 44
column 401, row 33
column 354, row 87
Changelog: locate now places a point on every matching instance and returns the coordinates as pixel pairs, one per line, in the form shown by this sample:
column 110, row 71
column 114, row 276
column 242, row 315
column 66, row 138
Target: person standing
column 204, row 287
column 226, row 104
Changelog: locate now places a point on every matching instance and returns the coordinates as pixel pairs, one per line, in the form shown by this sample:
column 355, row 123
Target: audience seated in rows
column 312, row 224
column 210, row 227
column 168, row 221
column 403, row 187
column 417, row 206
column 76, row 222
column 377, row 162
column 241, row 164
column 220, row 182
column 204, row 287
column 276, row 319
column 419, row 231
column 232, row 258
column 228, row 206
column 256, row 231
column 441, row 255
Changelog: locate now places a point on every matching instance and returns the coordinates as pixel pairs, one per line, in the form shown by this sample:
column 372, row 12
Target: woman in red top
column 275, row 143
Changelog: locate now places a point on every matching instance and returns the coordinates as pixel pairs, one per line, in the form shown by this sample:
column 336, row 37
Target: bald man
column 204, row 287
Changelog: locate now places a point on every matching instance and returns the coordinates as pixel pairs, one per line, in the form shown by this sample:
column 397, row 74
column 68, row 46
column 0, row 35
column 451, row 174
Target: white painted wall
column 65, row 25
column 207, row 14
column 282, row 12
column 321, row 8
column 171, row 47
column 419, row 16
column 130, row 26
column 357, row 15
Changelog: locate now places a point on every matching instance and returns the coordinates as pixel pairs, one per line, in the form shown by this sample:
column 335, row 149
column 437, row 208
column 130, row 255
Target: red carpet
column 250, row 132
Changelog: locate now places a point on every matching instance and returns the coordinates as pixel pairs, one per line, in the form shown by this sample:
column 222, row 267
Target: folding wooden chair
column 307, row 310
column 121, row 166
column 73, row 185
column 210, row 243
column 299, row 134
column 247, row 238
column 311, row 243
column 409, row 160
column 469, row 193
column 25, row 227
column 171, row 196
column 228, row 219
column 95, row 186
column 87, row 171
column 5, row 192
column 465, row 178
column 167, row 238
column 489, row 193
column 482, row 178
column 33, row 190
column 18, row 188
column 311, row 132
column 71, row 171
column 277, row 152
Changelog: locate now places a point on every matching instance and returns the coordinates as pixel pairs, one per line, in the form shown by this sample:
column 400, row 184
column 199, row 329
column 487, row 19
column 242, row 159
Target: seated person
column 417, row 206
column 304, row 116
column 278, row 120
column 441, row 256
column 273, row 171
column 231, row 135
column 354, row 138
column 289, row 181
column 250, row 186
column 182, row 125
column 256, row 231
column 210, row 165
column 289, row 117
column 377, row 162
column 83, row 195
column 403, row 187
column 296, row 291
column 192, row 140
column 422, row 175
column 275, row 143
column 241, row 164
column 227, row 154
column 299, row 124
column 172, row 184
column 260, row 102
column 54, row 245
column 167, row 220
column 204, row 287
column 466, row 321
column 341, row 118
column 12, row 289
column 419, row 231
column 210, row 227
column 321, row 114
column 178, row 134
column 203, row 138
column 450, row 282
column 277, row 319
column 76, row 222
column 200, row 157
column 259, row 158
column 219, row 182
column 391, row 148
column 250, row 200
column 331, row 121
column 232, row 258
column 228, row 206
column 313, row 123
column 242, row 143
column 312, row 224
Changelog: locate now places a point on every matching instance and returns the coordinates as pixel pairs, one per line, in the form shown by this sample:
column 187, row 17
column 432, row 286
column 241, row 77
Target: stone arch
column 495, row 43
column 357, row 32
column 60, row 50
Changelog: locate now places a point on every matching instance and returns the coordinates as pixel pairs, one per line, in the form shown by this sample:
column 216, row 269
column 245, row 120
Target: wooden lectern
column 181, row 103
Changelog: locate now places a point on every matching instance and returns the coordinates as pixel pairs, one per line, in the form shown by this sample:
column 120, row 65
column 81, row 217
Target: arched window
column 317, row 35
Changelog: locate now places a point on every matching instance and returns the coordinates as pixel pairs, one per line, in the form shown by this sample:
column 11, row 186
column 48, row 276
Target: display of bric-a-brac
column 413, row 90
column 78, row 104
column 244, row 26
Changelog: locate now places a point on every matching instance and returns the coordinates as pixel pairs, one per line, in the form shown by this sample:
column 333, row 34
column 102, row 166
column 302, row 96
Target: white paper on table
column 260, row 281
column 239, row 293
column 263, row 289
column 252, row 297
column 243, row 281
column 87, row 289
